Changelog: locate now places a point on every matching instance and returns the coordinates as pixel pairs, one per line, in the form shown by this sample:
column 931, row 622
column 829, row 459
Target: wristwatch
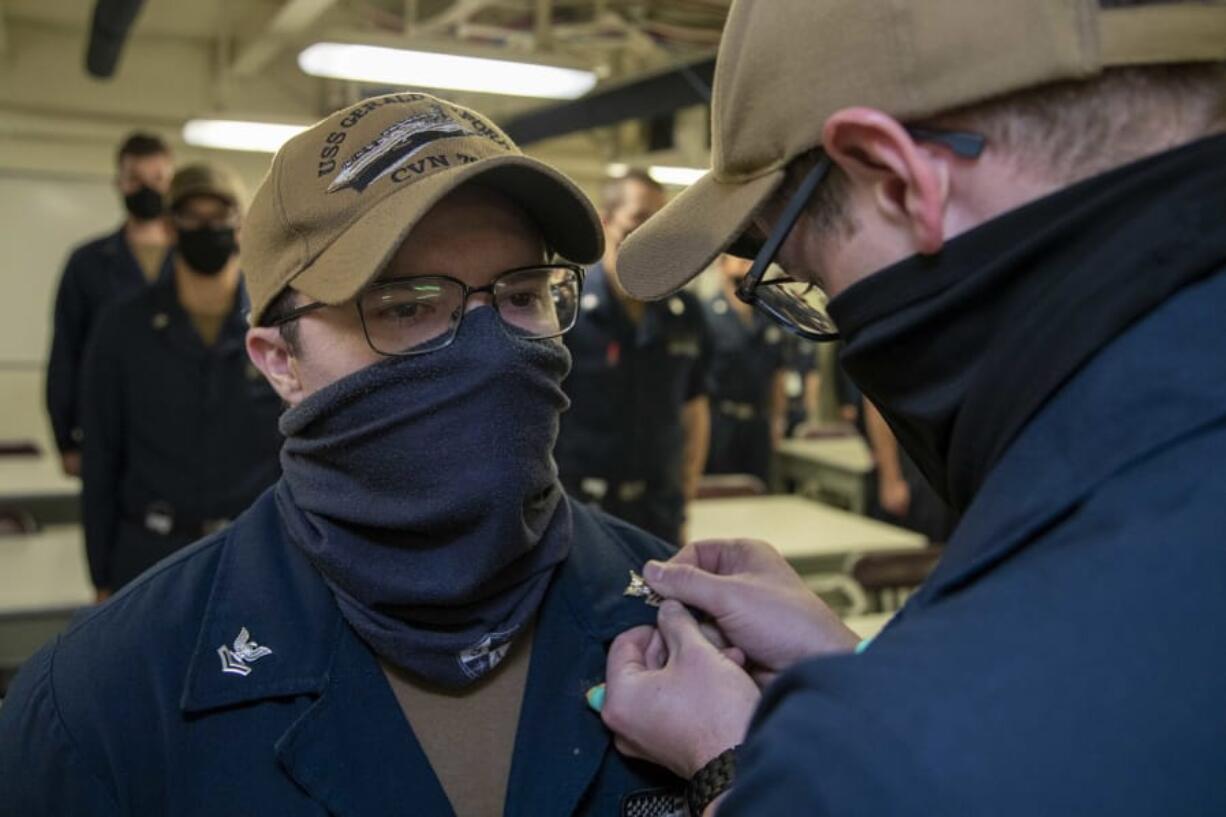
column 711, row 781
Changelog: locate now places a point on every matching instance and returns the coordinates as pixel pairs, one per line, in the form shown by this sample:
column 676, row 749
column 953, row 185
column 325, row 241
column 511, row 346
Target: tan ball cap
column 785, row 66
column 341, row 196
column 203, row 179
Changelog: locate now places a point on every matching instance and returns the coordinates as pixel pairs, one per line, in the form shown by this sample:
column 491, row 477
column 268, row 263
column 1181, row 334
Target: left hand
column 894, row 496
column 676, row 700
column 71, row 463
column 779, row 431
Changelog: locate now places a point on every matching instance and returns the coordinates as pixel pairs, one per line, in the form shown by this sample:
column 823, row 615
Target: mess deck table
column 834, row 470
column 44, row 581
column 813, row 537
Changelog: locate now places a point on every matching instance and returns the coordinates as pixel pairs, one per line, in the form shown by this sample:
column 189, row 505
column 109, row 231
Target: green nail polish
column 595, row 697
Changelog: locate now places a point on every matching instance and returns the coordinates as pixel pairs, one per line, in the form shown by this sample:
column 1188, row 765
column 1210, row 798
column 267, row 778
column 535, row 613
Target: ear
column 272, row 356
column 909, row 183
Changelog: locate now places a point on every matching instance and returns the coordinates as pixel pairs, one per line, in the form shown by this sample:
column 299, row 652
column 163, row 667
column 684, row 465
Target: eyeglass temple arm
column 799, row 201
column 295, row 314
column 964, row 144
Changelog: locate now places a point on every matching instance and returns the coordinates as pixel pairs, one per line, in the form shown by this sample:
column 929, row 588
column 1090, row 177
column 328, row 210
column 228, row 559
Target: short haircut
column 140, row 144
column 1076, row 129
column 1071, row 130
column 614, row 191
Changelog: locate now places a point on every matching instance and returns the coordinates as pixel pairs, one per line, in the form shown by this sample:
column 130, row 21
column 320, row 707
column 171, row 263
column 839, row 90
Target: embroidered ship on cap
column 393, row 147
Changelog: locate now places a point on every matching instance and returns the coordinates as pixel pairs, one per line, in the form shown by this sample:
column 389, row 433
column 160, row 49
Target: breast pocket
column 672, row 367
column 634, row 789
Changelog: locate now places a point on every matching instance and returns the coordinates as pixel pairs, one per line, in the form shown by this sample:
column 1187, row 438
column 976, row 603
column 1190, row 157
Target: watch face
column 661, row 802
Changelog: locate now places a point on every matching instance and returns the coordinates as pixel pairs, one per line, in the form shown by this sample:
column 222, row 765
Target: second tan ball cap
column 785, row 66
column 206, row 179
column 341, row 196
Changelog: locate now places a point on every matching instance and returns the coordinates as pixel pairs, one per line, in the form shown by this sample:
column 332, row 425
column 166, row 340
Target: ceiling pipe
column 113, row 20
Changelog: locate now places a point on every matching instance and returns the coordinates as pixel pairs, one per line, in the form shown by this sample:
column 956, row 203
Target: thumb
column 689, row 584
column 677, row 627
column 736, row 655
column 627, row 652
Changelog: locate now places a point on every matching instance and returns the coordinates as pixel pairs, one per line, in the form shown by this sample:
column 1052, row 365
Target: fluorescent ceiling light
column 395, row 66
column 679, row 176
column 664, row 174
column 230, row 134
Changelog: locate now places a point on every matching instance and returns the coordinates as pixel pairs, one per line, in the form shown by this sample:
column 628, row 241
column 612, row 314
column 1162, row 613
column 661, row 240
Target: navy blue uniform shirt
column 627, row 388
column 745, row 359
column 799, row 360
column 1068, row 656
column 155, row 703
column 179, row 435
column 97, row 273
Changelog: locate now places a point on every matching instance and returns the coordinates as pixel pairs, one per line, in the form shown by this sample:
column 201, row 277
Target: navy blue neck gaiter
column 425, row 492
column 961, row 350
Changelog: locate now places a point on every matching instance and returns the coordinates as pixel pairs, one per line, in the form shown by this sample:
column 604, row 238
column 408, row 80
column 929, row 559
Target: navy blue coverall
column 97, row 273
column 180, row 436
column 622, row 442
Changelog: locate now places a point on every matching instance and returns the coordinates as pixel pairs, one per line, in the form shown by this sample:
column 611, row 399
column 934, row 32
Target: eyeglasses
column 412, row 316
column 799, row 306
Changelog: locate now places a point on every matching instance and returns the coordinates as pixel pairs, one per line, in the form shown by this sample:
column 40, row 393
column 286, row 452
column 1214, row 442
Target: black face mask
column 145, row 204
column 959, row 351
column 207, row 249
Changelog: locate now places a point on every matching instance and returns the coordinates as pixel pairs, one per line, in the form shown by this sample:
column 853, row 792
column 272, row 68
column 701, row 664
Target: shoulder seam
column 73, row 743
column 137, row 589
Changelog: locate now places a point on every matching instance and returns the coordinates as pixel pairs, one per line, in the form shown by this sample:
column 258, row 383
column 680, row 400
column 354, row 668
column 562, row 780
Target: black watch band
column 711, row 781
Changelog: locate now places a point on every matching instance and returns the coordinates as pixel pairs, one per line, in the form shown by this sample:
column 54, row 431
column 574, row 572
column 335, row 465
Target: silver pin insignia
column 639, row 589
column 244, row 651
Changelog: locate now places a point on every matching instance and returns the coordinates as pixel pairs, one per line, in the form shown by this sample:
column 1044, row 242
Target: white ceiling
column 236, row 58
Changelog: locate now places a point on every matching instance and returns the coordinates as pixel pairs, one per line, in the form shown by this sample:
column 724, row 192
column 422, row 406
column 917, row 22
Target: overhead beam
column 636, row 38
column 458, row 12
column 544, row 25
column 651, row 96
column 292, row 19
column 411, row 13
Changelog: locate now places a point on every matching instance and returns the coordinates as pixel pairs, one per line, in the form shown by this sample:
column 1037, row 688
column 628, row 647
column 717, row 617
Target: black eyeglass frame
column 388, row 283
column 965, row 144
